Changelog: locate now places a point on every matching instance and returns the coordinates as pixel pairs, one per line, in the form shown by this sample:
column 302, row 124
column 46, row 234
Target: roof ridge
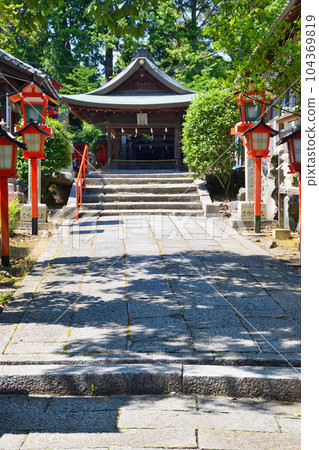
column 149, row 65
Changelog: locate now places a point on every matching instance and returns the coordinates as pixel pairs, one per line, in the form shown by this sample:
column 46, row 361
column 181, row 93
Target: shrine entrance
column 147, row 150
column 140, row 112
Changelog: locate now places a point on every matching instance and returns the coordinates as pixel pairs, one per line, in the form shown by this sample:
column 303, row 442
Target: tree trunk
column 193, row 24
column 108, row 64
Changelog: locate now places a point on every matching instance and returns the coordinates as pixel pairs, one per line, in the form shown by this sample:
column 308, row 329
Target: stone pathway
column 151, row 304
column 136, row 422
column 154, row 288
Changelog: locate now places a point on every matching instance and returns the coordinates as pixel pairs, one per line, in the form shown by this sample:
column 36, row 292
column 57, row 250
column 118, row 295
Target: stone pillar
column 249, row 178
column 25, row 213
column 246, row 208
column 116, row 151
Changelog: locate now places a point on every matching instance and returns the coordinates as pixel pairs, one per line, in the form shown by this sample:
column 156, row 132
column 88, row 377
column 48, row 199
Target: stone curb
column 271, row 383
column 210, row 209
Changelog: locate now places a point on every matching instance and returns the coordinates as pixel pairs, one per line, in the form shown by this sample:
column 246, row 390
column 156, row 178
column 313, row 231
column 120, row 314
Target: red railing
column 99, row 149
column 81, row 179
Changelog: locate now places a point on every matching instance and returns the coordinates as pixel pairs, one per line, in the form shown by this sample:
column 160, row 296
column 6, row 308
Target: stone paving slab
column 231, row 440
column 139, row 422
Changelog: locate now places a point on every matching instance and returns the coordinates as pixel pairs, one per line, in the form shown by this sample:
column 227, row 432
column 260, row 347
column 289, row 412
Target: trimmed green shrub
column 208, row 146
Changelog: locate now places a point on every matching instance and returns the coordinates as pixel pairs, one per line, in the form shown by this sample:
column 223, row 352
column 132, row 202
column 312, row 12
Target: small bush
column 14, row 216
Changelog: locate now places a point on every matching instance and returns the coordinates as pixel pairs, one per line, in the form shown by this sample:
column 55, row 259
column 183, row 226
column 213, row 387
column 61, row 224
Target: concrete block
column 281, row 234
column 246, row 210
column 249, row 223
column 233, row 205
column 211, row 210
column 25, row 213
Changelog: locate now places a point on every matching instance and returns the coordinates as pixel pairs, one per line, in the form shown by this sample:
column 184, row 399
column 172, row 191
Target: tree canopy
column 196, row 41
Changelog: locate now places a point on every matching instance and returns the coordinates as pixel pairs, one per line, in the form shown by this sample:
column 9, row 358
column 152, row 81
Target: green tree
column 61, row 44
column 268, row 57
column 59, row 35
column 175, row 37
column 208, row 146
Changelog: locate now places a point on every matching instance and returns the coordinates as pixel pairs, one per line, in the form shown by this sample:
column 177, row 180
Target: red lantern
column 34, row 137
column 257, row 139
column 8, row 160
column 34, row 102
column 293, row 139
column 8, row 154
column 251, row 106
column 257, row 142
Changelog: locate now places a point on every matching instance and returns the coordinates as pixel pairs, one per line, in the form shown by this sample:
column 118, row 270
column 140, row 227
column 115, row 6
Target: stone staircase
column 140, row 193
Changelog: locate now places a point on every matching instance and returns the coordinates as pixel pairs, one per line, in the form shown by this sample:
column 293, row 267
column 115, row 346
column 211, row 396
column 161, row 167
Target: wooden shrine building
column 141, row 111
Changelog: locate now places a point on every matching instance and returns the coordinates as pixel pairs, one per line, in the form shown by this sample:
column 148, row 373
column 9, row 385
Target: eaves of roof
column 30, row 73
column 286, row 13
column 129, row 101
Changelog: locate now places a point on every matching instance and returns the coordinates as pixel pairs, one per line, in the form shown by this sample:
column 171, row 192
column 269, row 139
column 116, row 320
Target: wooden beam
column 109, row 148
column 177, row 147
column 287, row 118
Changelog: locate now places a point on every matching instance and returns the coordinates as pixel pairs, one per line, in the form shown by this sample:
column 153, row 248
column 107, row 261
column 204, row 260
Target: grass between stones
column 24, row 251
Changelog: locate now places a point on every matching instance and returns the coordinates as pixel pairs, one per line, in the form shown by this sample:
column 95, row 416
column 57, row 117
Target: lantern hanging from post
column 34, row 102
column 256, row 140
column 34, row 137
column 8, row 169
column 251, row 107
column 293, row 139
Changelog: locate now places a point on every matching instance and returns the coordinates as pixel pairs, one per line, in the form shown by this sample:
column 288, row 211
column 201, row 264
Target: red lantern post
column 251, row 106
column 34, row 137
column 257, row 140
column 34, row 102
column 8, row 162
column 293, row 139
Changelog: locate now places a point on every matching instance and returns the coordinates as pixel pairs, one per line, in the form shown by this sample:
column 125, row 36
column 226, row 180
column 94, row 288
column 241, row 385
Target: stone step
column 272, row 383
column 141, row 193
column 138, row 180
column 138, row 198
column 142, row 188
column 135, row 174
column 144, row 205
column 140, row 212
